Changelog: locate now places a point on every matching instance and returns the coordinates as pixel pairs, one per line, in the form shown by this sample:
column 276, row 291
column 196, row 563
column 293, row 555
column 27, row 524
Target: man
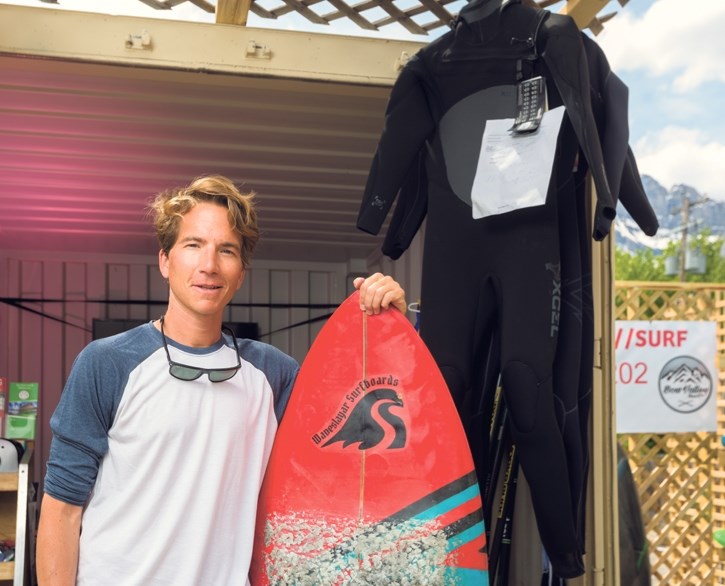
column 162, row 434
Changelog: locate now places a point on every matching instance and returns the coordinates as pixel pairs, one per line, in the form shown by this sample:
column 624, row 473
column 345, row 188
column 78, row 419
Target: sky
column 670, row 53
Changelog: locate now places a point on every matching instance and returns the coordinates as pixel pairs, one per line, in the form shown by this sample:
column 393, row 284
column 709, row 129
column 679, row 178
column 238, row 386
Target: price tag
column 530, row 106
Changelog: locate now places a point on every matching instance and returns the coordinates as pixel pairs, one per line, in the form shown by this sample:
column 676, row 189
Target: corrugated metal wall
column 49, row 303
column 40, row 339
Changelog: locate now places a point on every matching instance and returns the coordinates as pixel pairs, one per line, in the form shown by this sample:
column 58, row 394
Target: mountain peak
column 667, row 204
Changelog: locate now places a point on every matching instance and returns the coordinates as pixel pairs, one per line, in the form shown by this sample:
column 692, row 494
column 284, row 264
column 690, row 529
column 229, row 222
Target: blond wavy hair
column 168, row 207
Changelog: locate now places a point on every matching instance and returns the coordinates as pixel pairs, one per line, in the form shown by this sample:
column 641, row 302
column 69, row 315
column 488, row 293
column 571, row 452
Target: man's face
column 204, row 267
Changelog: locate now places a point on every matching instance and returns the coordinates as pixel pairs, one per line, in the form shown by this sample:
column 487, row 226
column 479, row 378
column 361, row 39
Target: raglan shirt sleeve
column 80, row 425
column 279, row 369
column 408, row 122
column 283, row 384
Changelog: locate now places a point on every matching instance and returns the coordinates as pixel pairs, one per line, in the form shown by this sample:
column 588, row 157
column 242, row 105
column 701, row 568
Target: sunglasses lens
column 184, row 372
column 217, row 376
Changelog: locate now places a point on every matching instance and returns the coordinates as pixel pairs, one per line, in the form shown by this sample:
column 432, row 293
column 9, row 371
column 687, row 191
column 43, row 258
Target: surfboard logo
column 371, row 421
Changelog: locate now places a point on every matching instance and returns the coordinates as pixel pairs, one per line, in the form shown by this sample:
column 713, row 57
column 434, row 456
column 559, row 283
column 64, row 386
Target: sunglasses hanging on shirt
column 189, row 373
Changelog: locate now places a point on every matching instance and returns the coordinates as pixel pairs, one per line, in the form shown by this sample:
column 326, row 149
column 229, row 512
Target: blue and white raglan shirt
column 168, row 471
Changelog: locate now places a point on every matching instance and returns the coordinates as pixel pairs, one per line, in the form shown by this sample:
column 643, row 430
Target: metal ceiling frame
column 100, row 111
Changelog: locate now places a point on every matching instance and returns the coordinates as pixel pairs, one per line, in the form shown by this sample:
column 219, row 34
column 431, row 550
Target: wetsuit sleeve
column 610, row 98
column 408, row 121
column 634, row 198
column 80, row 425
column 616, row 133
column 625, row 179
column 564, row 55
column 410, row 211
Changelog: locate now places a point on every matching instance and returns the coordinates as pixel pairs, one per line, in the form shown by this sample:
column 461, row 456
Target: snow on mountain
column 684, row 375
column 668, row 204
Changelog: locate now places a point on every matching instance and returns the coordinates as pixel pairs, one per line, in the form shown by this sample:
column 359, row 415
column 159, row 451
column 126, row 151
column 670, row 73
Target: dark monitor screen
column 102, row 328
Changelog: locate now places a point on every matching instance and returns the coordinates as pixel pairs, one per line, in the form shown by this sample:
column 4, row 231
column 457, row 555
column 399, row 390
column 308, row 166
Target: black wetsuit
column 515, row 286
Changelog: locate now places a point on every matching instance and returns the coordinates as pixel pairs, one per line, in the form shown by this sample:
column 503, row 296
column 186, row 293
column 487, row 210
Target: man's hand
column 379, row 292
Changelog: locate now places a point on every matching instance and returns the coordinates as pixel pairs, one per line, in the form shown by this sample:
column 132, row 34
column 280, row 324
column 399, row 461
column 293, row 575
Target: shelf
column 8, row 481
column 7, row 570
column 16, row 489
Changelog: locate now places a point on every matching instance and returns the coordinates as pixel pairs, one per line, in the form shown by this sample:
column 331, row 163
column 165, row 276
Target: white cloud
column 670, row 55
column 185, row 11
column 673, row 38
column 680, row 155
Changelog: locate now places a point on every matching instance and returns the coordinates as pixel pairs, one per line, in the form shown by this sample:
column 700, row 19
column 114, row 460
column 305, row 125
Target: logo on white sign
column 685, row 384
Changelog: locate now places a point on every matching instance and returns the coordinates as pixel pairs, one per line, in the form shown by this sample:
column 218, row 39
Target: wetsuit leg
column 531, row 305
column 479, row 401
column 567, row 362
column 587, row 352
column 462, row 340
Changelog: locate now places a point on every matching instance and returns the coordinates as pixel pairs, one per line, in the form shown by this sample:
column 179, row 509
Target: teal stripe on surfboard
column 442, row 494
column 443, row 501
column 459, row 539
column 458, row 533
column 448, row 504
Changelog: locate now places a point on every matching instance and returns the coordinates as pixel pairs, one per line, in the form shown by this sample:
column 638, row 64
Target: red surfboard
column 370, row 480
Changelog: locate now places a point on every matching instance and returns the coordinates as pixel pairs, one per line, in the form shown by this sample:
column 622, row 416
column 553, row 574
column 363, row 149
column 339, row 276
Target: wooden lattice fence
column 680, row 481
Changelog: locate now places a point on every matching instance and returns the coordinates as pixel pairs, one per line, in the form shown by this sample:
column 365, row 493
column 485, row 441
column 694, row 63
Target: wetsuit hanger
column 477, row 10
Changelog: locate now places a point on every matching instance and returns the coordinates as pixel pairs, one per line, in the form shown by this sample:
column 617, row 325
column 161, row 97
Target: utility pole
column 686, row 205
column 683, row 245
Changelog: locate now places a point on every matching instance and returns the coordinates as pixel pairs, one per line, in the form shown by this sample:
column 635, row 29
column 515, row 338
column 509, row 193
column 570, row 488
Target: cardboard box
column 22, row 410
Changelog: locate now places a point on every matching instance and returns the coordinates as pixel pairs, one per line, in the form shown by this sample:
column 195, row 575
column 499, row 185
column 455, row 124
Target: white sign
column 665, row 376
column 514, row 170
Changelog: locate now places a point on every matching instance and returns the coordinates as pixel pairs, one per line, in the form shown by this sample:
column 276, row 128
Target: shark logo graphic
column 365, row 425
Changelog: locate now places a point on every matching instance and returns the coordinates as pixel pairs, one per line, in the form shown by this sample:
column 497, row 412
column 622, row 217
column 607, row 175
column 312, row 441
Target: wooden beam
column 583, row 11
column 232, row 11
column 203, row 4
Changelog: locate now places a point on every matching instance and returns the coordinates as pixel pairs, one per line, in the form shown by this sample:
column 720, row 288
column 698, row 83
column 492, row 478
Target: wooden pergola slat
column 344, row 9
column 232, row 11
column 236, row 12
